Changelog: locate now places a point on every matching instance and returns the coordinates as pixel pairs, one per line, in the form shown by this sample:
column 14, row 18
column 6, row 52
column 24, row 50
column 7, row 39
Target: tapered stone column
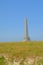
column 26, row 38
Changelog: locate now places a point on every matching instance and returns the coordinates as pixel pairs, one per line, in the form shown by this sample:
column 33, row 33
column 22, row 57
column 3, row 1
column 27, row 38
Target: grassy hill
column 22, row 49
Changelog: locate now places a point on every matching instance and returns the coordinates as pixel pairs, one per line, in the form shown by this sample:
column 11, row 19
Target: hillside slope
column 22, row 48
column 26, row 52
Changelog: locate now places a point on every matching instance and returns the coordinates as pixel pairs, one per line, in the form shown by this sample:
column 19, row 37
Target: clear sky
column 12, row 16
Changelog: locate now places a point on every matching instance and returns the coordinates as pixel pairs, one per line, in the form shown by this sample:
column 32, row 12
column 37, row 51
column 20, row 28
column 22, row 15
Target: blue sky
column 12, row 16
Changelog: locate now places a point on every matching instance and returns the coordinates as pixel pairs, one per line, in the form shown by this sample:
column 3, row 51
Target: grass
column 22, row 49
column 2, row 61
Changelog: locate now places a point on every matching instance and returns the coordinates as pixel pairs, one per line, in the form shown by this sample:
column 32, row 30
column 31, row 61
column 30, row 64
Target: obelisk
column 26, row 38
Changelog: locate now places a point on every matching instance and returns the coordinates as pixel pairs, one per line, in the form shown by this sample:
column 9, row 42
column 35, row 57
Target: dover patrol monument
column 26, row 37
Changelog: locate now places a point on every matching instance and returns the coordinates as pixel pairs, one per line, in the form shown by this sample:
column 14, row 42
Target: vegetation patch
column 21, row 50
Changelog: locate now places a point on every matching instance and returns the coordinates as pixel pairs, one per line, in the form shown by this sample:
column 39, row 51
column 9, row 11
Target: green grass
column 3, row 61
column 21, row 49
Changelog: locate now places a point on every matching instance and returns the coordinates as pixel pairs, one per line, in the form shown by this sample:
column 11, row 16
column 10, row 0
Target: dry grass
column 22, row 49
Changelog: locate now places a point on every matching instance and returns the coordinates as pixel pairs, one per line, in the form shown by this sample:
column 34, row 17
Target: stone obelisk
column 26, row 38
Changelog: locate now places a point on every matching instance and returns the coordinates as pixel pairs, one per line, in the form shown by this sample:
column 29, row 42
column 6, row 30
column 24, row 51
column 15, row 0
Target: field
column 21, row 49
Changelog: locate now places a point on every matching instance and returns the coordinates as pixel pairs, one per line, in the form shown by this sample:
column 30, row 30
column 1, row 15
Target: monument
column 26, row 37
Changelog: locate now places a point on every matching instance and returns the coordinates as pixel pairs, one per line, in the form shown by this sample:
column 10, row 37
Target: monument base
column 26, row 39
